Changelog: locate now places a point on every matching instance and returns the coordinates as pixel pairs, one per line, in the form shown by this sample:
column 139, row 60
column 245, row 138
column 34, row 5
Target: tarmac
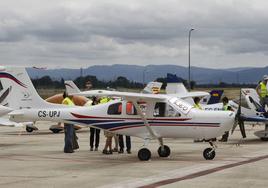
column 37, row 160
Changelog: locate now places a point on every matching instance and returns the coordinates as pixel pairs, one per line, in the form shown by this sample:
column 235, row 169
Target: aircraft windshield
column 181, row 105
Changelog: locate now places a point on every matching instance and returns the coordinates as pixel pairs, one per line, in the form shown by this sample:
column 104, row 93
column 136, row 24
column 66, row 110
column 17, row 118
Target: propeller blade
column 235, row 124
column 242, row 129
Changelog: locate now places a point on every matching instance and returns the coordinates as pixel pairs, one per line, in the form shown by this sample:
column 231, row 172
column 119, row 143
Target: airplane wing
column 71, row 87
column 190, row 94
column 124, row 95
column 6, row 122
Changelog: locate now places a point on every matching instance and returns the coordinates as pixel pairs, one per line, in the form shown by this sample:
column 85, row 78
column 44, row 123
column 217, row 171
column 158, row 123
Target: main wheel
column 29, row 129
column 55, row 130
column 209, row 154
column 144, row 154
column 264, row 138
column 163, row 152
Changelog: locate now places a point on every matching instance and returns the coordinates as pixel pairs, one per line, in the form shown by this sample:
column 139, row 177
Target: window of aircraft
column 115, row 109
column 130, row 109
column 162, row 109
column 181, row 105
column 143, row 106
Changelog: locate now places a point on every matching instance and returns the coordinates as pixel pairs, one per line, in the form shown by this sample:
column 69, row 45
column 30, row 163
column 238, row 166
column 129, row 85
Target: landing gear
column 264, row 138
column 209, row 153
column 144, row 154
column 29, row 129
column 163, row 151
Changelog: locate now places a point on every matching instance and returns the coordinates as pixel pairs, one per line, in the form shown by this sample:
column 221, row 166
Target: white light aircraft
column 250, row 110
column 163, row 116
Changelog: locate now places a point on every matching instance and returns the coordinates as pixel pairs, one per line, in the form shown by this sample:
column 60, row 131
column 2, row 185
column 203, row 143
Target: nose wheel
column 163, row 151
column 209, row 153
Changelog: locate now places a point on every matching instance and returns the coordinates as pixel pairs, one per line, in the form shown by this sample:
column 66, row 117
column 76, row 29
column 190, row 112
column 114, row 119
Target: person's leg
column 68, row 133
column 110, row 140
column 75, row 138
column 115, row 143
column 91, row 138
column 121, row 143
column 97, row 140
column 128, row 144
column 265, row 103
column 105, row 151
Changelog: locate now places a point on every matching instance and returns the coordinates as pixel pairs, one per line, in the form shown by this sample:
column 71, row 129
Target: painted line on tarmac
column 204, row 172
column 189, row 172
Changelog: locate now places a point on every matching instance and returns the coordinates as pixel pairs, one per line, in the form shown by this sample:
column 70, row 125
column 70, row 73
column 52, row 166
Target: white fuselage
column 192, row 123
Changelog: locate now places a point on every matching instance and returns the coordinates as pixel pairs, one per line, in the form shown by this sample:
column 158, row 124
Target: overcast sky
column 82, row 33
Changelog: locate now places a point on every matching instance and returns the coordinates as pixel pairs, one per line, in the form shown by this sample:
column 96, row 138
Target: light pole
column 189, row 58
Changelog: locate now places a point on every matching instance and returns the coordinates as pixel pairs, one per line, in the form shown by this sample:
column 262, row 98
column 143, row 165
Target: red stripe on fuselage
column 95, row 117
column 164, row 125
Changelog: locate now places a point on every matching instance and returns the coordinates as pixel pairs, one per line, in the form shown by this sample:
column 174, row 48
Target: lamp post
column 189, row 59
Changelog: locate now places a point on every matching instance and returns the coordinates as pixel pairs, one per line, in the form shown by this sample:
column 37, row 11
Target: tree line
column 120, row 82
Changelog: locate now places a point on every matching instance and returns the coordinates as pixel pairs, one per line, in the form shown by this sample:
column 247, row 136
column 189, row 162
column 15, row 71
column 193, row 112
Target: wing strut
column 146, row 123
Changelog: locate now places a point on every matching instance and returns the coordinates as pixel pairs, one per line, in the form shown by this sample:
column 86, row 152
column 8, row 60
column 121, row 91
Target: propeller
column 239, row 120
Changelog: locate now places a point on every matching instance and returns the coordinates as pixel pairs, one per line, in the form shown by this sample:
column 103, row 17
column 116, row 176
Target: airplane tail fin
column 152, row 87
column 23, row 93
column 252, row 97
column 71, row 88
column 215, row 96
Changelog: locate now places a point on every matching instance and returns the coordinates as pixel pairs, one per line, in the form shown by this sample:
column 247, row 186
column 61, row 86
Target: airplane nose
column 228, row 121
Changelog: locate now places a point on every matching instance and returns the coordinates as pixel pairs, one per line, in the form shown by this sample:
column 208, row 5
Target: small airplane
column 164, row 116
column 250, row 109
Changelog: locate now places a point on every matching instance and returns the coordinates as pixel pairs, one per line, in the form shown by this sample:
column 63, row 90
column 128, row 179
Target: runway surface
column 37, row 160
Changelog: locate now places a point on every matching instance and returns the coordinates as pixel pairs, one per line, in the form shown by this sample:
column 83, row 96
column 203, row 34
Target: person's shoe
column 128, row 151
column 105, row 152
column 96, row 149
column 69, row 151
column 115, row 150
column 121, row 151
column 91, row 149
column 110, row 152
column 223, row 140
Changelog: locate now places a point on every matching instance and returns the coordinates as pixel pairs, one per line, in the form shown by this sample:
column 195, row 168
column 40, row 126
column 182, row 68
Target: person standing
column 121, row 144
column 94, row 132
column 70, row 136
column 262, row 91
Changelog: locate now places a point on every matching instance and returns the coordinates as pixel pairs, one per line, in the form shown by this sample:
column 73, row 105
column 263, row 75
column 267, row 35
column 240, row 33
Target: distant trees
column 46, row 82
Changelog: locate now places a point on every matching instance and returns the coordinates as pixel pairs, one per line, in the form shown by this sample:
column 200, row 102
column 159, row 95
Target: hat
column 265, row 77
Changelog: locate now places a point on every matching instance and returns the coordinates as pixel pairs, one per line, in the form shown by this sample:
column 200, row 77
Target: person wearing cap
column 262, row 91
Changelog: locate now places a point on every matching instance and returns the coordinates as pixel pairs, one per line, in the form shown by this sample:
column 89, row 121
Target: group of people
column 262, row 92
column 70, row 139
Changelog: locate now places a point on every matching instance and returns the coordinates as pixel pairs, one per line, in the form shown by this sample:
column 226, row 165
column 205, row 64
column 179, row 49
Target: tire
column 29, row 129
column 144, row 154
column 165, row 152
column 264, row 138
column 208, row 154
column 55, row 131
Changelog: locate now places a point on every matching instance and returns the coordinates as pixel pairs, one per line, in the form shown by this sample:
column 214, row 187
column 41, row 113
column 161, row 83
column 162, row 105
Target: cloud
column 87, row 32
